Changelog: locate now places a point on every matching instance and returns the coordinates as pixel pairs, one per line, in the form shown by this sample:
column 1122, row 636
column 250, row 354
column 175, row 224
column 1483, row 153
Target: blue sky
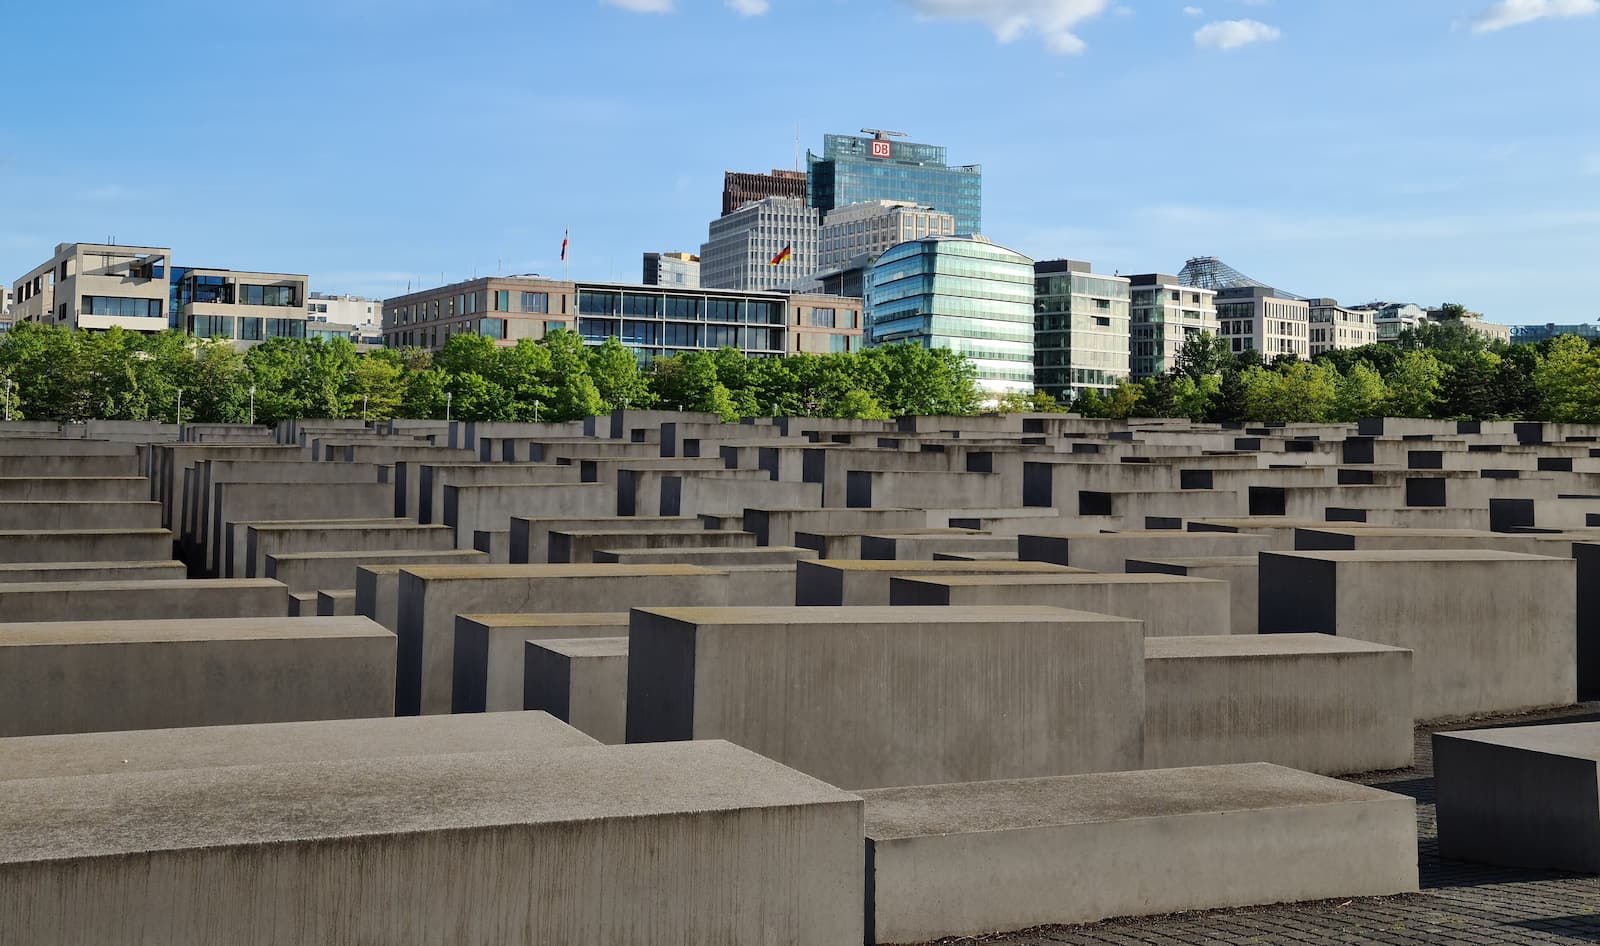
column 1423, row 150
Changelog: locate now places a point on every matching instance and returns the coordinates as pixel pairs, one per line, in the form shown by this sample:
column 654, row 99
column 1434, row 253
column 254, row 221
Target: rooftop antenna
column 797, row 146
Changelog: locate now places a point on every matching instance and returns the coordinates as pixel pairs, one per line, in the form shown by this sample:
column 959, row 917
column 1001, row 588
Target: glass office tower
column 852, row 170
column 967, row 295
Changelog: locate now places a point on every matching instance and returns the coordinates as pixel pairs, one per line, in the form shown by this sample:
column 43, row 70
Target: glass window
column 492, row 328
column 536, row 302
column 502, row 300
column 286, row 328
column 119, row 306
column 250, row 329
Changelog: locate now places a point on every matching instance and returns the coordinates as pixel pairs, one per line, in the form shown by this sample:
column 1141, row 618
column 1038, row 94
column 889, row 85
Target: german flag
column 783, row 255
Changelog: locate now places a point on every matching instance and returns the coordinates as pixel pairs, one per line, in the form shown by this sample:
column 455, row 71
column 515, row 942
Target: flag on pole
column 783, row 255
column 564, row 236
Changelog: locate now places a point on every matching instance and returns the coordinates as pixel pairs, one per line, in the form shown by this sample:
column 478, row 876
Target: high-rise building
column 1081, row 330
column 654, row 321
column 1164, row 314
column 1335, row 327
column 767, row 244
column 854, row 170
column 672, row 269
column 739, row 188
column 1256, row 318
column 97, row 286
column 871, row 228
column 964, row 294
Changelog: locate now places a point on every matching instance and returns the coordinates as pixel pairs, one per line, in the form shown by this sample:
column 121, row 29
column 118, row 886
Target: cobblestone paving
column 1459, row 904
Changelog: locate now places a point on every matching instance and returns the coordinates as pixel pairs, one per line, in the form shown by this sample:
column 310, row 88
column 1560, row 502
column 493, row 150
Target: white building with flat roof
column 871, row 228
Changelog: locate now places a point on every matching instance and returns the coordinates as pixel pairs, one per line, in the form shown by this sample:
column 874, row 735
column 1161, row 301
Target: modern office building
column 869, row 229
column 97, row 286
column 1534, row 334
column 1081, row 330
column 1493, row 331
column 739, row 188
column 654, row 321
column 855, row 170
column 1392, row 318
column 344, row 309
column 964, row 294
column 1334, row 327
column 764, row 245
column 1256, row 318
column 672, row 269
column 245, row 308
column 1163, row 314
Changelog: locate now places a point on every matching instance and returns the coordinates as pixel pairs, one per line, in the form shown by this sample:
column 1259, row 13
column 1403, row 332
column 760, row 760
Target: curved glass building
column 965, row 294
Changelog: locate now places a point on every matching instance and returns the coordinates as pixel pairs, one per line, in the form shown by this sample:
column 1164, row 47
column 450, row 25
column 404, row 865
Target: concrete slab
column 489, row 673
column 676, row 845
column 864, row 583
column 868, row 697
column 147, row 599
column 1242, row 573
column 968, row 859
column 581, row 681
column 1169, row 605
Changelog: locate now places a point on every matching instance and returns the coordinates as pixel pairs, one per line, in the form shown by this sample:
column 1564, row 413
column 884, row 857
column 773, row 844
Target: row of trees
column 51, row 373
column 1439, row 370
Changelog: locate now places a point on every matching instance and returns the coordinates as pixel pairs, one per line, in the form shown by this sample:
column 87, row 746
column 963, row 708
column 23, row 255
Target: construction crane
column 883, row 135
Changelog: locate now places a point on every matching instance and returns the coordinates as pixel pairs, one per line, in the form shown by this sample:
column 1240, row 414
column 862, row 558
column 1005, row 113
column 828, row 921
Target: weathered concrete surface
column 311, row 571
column 92, row 571
column 1242, row 573
column 868, row 697
column 857, row 583
column 263, row 539
column 85, row 545
column 1106, row 552
column 699, row 844
column 530, row 537
column 1523, row 796
column 147, row 599
column 582, row 681
column 430, row 597
column 1329, row 705
column 490, row 648
column 1491, row 632
column 707, row 557
column 95, row 676
column 1169, row 605
column 204, row 747
column 78, row 514
column 953, row 860
column 339, row 602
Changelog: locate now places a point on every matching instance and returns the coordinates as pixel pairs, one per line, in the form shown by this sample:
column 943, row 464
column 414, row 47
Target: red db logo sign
column 880, row 149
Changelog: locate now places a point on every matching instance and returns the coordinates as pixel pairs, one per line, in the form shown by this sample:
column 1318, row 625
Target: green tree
column 1124, row 400
column 1362, row 393
column 924, row 382
column 378, row 388
column 617, row 378
column 1568, row 381
column 573, row 394
column 1202, row 355
column 1470, row 388
column 1414, row 385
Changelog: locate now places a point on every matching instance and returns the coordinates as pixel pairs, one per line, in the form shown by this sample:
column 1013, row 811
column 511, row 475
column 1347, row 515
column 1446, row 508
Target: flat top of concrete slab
column 1258, row 645
column 585, row 647
column 558, row 619
column 60, row 479
column 338, row 525
column 1173, row 534
column 647, row 533
column 15, row 533
column 133, row 813
column 1219, row 561
column 897, row 566
column 69, row 633
column 269, row 524
column 1575, row 740
column 1087, row 578
column 336, row 594
column 1420, row 555
column 1276, row 523
column 787, row 616
column 147, row 584
column 470, row 555
column 552, row 571
column 86, row 566
column 152, row 750
column 1022, row 804
column 879, row 533
column 1388, row 531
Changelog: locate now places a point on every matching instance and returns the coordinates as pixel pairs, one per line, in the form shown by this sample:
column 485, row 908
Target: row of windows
column 250, row 329
column 675, row 335
column 120, row 306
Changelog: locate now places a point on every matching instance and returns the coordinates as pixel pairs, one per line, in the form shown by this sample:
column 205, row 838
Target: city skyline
column 1408, row 154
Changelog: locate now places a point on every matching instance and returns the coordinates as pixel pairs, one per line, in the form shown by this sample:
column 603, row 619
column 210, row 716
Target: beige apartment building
column 1334, row 327
column 97, row 286
column 1255, row 318
column 1164, row 315
column 245, row 308
column 655, row 321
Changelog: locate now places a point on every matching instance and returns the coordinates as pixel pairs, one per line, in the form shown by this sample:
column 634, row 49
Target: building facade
column 1392, row 318
column 1334, row 327
column 742, row 247
column 1534, row 334
column 97, row 286
column 1081, row 330
column 344, row 309
column 855, row 170
column 739, row 188
column 1254, row 318
column 870, row 229
column 672, row 269
column 1163, row 314
column 244, row 308
column 654, row 321
column 967, row 295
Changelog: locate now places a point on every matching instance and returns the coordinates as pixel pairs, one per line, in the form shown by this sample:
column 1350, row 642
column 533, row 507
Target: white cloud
column 1231, row 34
column 1054, row 20
column 1193, row 11
column 642, row 6
column 748, row 7
column 1517, row 12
